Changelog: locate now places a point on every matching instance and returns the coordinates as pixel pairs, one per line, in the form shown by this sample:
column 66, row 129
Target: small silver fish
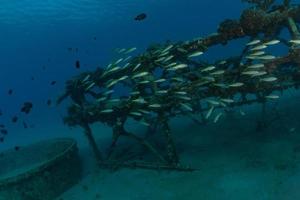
column 171, row 65
column 238, row 84
column 139, row 100
column 135, row 93
column 112, row 70
column 164, row 54
column 141, row 74
column 86, row 78
column 161, row 92
column 216, row 119
column 195, row 54
column 256, row 66
column 118, row 61
column 136, row 67
column 123, row 78
column 179, row 66
column 144, row 111
column 266, row 57
column 101, row 99
column 168, row 48
column 127, row 58
column 144, row 123
column 126, row 65
column 253, row 42
column 107, row 111
column 90, row 86
column 259, row 47
column 257, row 53
column 155, row 105
column 160, row 80
column 177, row 79
column 122, row 50
column 250, row 73
column 209, row 68
column 181, row 93
column 208, row 78
column 186, row 106
column 135, row 113
column 272, row 97
column 227, row 100
column 295, row 41
column 112, row 83
column 272, row 42
column 259, row 74
column 242, row 113
column 209, row 112
column 130, row 50
column 218, row 72
column 184, row 98
column 223, row 62
column 182, row 50
column 268, row 79
column 221, row 85
column 168, row 58
column 144, row 82
column 213, row 102
column 108, row 92
column 160, row 59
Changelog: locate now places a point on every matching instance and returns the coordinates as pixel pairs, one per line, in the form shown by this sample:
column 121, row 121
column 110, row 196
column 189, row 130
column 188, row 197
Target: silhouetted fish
column 49, row 102
column 14, row 119
column 25, row 124
column 10, row 91
column 140, row 17
column 4, row 131
column 26, row 108
column 17, row 148
column 77, row 64
column 2, row 126
column 1, row 139
column 53, row 82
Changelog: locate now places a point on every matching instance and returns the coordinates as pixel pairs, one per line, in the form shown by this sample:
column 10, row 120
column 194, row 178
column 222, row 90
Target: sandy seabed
column 235, row 162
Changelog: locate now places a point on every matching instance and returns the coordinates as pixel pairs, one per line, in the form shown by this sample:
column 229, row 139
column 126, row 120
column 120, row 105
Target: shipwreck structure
column 171, row 79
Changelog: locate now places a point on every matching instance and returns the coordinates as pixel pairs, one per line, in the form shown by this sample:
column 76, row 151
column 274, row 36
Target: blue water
column 35, row 36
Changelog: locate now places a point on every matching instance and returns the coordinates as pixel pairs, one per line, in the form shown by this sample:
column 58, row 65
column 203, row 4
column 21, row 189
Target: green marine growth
column 186, row 85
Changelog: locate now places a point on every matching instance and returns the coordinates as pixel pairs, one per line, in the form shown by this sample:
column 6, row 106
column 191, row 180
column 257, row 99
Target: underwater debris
column 187, row 86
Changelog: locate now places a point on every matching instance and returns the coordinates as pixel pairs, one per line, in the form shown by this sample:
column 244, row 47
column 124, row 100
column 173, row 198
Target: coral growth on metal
column 174, row 79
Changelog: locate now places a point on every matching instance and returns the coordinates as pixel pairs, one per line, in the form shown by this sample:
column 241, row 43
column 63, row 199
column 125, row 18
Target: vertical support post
column 92, row 142
column 115, row 137
column 172, row 156
column 293, row 28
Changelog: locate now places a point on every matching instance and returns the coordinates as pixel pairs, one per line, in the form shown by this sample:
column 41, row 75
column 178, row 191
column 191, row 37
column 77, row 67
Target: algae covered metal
column 40, row 171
